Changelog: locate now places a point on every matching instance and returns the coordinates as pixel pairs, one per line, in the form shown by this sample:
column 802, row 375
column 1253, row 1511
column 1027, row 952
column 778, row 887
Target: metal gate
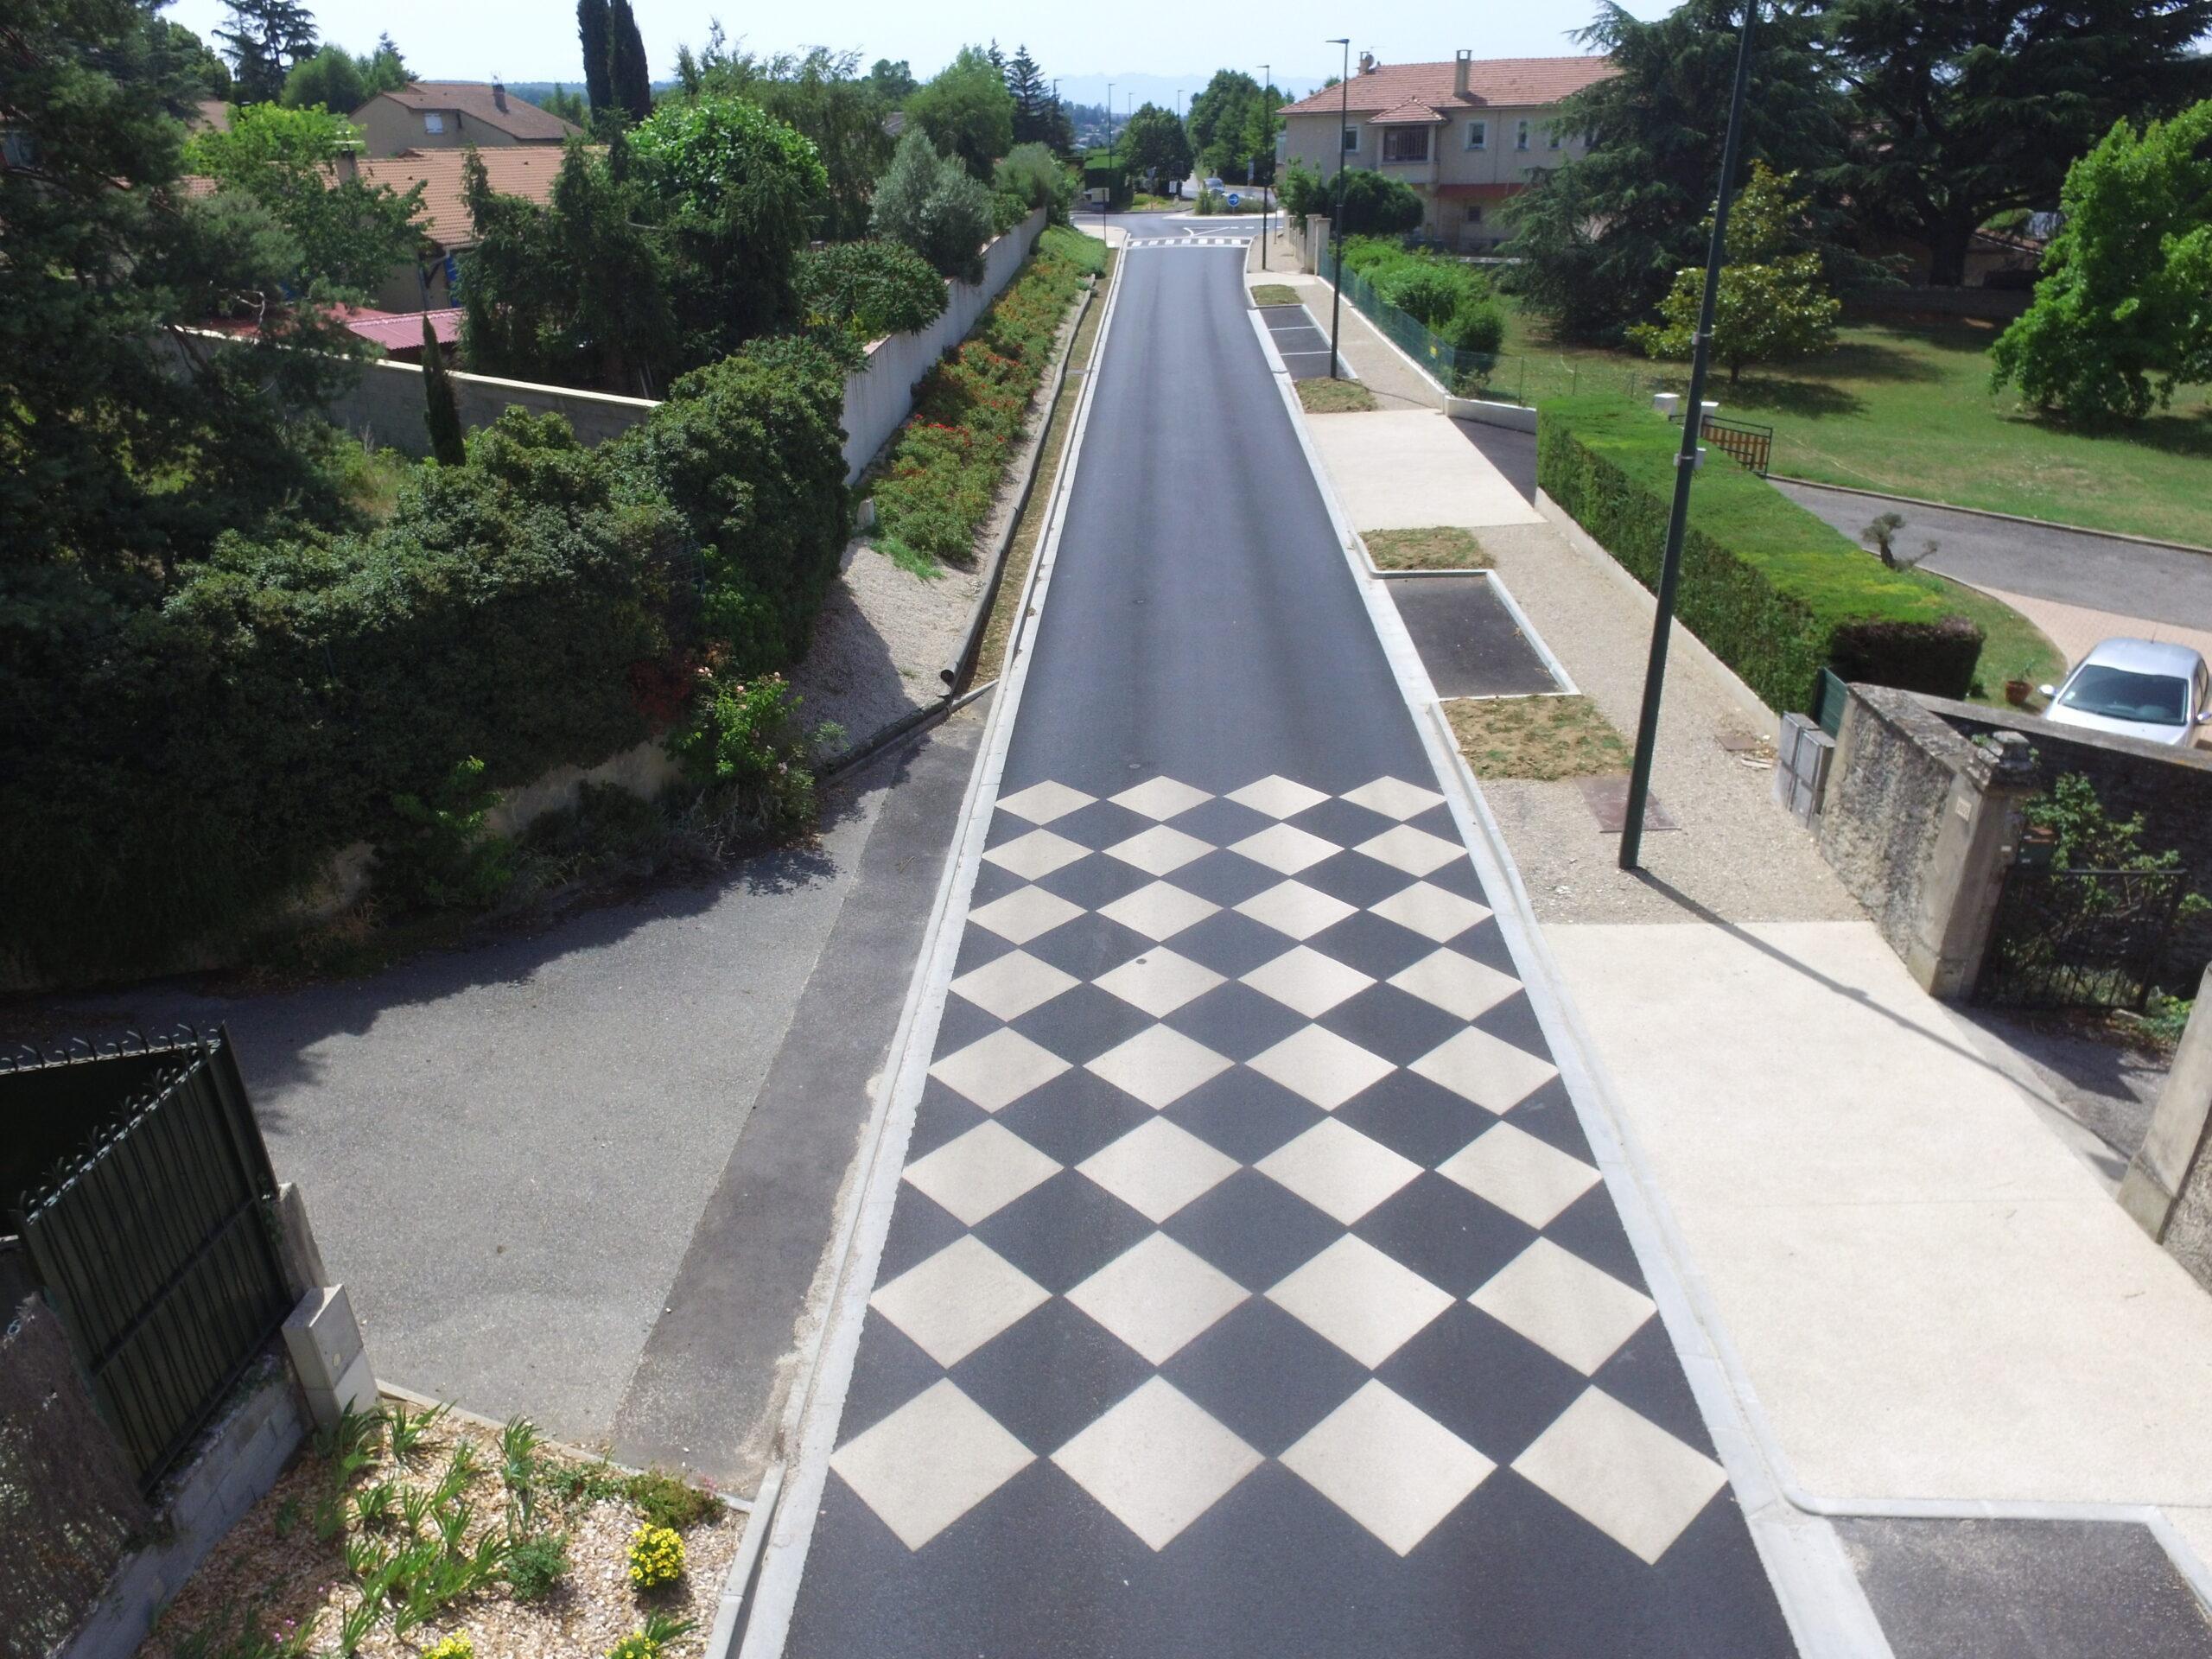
column 1749, row 442
column 2078, row 939
column 156, row 1245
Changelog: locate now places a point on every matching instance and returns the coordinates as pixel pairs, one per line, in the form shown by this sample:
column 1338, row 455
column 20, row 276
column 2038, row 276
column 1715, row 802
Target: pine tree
column 629, row 79
column 440, row 413
column 264, row 40
column 1033, row 100
column 591, row 33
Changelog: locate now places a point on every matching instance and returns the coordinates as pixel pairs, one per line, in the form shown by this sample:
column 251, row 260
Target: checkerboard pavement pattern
column 1242, row 1164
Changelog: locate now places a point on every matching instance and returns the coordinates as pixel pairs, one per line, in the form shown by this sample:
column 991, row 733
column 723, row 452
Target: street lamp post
column 1106, row 219
column 1670, row 562
column 1336, row 222
column 1267, row 79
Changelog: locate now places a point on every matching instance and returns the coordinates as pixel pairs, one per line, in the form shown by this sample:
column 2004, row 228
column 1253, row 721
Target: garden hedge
column 1775, row 593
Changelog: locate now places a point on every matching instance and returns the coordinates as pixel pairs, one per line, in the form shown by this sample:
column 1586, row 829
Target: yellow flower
column 656, row 1557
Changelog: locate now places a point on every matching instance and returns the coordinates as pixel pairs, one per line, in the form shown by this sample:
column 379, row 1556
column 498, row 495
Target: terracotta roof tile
column 1510, row 83
column 480, row 101
column 522, row 172
column 1411, row 113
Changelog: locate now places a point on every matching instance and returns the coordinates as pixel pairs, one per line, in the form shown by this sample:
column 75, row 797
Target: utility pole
column 1113, row 162
column 1337, row 220
column 1670, row 563
column 1267, row 79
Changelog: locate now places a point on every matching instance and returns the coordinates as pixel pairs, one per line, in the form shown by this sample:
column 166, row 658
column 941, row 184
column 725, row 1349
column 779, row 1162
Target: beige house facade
column 1466, row 135
column 456, row 115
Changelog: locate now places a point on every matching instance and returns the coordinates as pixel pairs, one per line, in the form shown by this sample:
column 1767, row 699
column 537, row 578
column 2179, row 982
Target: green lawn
column 1905, row 407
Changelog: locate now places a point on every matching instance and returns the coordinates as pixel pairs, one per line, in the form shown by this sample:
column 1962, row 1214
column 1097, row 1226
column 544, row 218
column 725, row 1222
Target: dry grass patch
column 1539, row 738
column 1335, row 396
column 405, row 1528
column 1441, row 547
column 1275, row 294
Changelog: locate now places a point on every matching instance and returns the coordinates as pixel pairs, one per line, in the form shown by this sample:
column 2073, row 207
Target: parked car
column 2137, row 688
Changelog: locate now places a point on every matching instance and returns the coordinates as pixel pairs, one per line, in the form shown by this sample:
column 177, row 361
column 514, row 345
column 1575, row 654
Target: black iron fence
column 2079, row 938
column 154, row 1238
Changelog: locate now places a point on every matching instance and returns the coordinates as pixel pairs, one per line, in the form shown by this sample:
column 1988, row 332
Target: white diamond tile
column 1159, row 981
column 1337, row 1170
column 1531, row 1180
column 958, row 1300
column 1024, row 914
column 1157, row 1296
column 1159, row 911
column 1455, row 983
column 1000, row 1069
column 1367, row 1304
column 1622, row 1474
column 1161, row 797
column 1323, row 1067
column 1042, row 803
column 1430, row 911
column 1158, row 1066
column 1009, row 986
column 1281, row 846
column 1389, row 1464
column 1575, row 1312
column 1393, row 798
column 1157, row 1461
column 1292, row 907
column 1304, row 979
column 930, row 1462
column 1159, row 849
column 1415, row 851
column 980, row 1172
column 1493, row 1073
column 1277, row 797
column 1157, row 1168
column 1039, row 852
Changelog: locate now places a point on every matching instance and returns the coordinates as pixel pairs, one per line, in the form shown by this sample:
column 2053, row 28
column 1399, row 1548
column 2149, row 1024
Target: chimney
column 1367, row 64
column 500, row 93
column 347, row 164
column 1459, row 71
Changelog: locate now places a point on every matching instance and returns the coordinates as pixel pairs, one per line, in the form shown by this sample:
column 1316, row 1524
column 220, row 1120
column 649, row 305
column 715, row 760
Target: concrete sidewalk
column 1929, row 1304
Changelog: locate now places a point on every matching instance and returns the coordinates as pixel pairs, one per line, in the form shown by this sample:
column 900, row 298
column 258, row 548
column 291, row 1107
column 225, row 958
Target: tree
column 591, row 35
column 864, row 290
column 967, row 112
column 441, row 415
column 213, row 74
column 264, row 40
column 1963, row 109
column 1601, row 236
column 384, row 70
column 1226, row 120
column 929, row 202
column 1034, row 112
column 1155, row 142
column 891, row 83
column 1373, row 205
column 1772, row 305
column 2120, row 317
column 628, row 76
column 331, row 79
column 569, row 106
column 348, row 233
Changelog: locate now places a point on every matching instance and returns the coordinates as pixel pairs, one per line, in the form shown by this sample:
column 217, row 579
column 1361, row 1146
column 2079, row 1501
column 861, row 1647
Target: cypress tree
column 591, row 31
column 440, row 413
column 630, row 81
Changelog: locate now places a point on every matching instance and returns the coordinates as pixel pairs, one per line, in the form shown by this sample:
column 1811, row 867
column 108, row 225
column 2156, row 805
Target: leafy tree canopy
column 1373, row 205
column 932, row 204
column 1153, row 140
column 863, row 290
column 891, row 82
column 263, row 40
column 331, row 80
column 2120, row 315
column 967, row 112
column 1772, row 305
column 1232, row 124
column 1037, row 118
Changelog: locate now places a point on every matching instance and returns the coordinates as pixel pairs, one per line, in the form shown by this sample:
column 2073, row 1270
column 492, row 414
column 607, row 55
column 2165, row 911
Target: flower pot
column 2015, row 693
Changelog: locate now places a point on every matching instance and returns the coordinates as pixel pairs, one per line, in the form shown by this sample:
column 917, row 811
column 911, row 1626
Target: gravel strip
column 881, row 637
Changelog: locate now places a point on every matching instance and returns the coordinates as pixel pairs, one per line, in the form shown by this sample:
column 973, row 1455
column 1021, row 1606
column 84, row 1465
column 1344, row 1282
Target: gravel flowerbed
column 397, row 1535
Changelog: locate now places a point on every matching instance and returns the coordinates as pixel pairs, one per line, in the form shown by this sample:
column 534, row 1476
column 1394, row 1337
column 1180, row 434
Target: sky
column 1083, row 44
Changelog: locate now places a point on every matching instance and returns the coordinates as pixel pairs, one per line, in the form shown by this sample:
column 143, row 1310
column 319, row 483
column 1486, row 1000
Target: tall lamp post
column 1106, row 219
column 1337, row 220
column 1267, row 79
column 1670, row 563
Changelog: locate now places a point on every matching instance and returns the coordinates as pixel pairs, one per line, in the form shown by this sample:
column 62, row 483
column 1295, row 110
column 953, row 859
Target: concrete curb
column 730, row 1613
column 1985, row 512
column 816, row 1400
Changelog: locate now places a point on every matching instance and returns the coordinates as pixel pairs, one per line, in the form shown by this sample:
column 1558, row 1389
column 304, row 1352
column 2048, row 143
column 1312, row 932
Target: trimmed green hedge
column 1775, row 593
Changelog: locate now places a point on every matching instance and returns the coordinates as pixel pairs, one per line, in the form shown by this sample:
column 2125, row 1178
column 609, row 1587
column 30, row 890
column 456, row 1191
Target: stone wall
column 2171, row 787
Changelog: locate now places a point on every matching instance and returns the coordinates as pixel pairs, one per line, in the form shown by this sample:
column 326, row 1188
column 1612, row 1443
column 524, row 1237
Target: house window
column 1520, row 135
column 1475, row 213
column 1405, row 143
column 1352, row 140
column 433, row 122
column 1553, row 142
column 1478, row 135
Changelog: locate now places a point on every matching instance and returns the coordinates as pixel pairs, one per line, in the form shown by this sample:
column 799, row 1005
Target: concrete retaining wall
column 1998, row 304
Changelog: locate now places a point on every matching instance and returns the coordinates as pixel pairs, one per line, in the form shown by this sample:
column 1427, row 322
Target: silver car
column 2137, row 688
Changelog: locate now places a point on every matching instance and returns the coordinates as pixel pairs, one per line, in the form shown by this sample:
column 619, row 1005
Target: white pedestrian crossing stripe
column 1190, row 241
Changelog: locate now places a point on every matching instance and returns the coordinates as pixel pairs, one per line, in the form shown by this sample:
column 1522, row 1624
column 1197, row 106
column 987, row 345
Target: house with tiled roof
column 457, row 115
column 447, row 231
column 1465, row 135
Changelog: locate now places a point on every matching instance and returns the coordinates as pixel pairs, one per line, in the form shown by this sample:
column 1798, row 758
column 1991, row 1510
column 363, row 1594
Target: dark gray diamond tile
column 1445, row 1233
column 1377, row 948
column 920, row 1227
column 1267, row 1377
column 1386, row 1021
column 1063, row 1231
column 992, row 883
column 977, row 946
column 1050, row 1376
column 1244, row 1114
column 1590, row 1228
column 1221, row 821
column 1548, row 1113
column 1644, row 1375
column 1081, row 1024
column 961, row 1024
column 1483, row 941
column 1495, row 1390
column 942, row 1116
column 1254, row 1230
column 1232, row 946
column 1094, row 881
column 1102, row 824
column 890, row 1370
column 1415, row 1118
column 1355, row 878
column 1514, row 1020
column 1236, row 1020
column 1226, row 877
column 1073, row 1115
column 1089, row 946
column 1341, row 822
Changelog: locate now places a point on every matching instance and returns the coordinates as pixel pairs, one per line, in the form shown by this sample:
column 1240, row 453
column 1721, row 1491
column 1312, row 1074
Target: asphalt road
column 1250, row 1289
